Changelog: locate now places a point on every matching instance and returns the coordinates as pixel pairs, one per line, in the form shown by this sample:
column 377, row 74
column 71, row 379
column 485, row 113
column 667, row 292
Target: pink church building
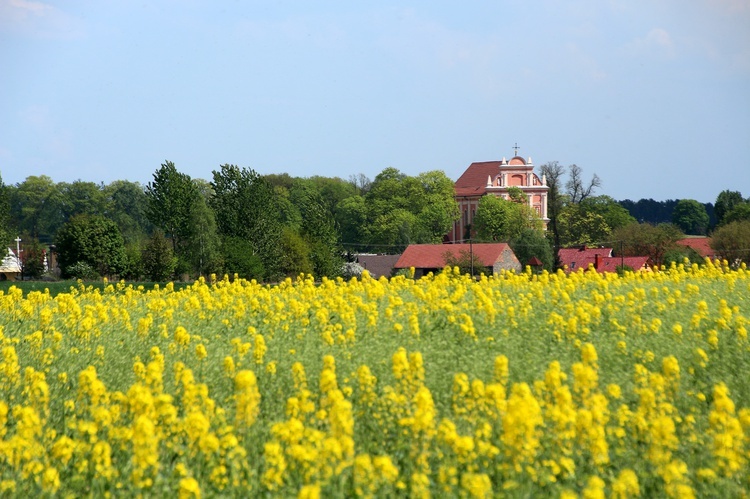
column 495, row 178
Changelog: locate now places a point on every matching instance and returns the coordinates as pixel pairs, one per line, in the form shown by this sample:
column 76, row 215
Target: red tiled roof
column 575, row 258
column 474, row 180
column 702, row 245
column 432, row 256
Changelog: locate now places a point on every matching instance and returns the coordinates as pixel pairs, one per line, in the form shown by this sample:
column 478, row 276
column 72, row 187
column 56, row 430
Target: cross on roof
column 516, row 148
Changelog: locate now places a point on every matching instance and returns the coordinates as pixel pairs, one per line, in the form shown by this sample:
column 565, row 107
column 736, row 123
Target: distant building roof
column 576, row 258
column 474, row 180
column 702, row 245
column 378, row 265
column 432, row 256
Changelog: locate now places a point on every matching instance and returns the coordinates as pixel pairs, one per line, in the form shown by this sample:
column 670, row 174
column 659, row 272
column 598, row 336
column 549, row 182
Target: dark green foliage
column 133, row 262
column 532, row 243
column 613, row 213
column 6, row 234
column 295, row 254
column 500, row 220
column 318, row 228
column 351, row 217
column 82, row 270
column 37, row 207
column 403, row 210
column 94, row 240
column 553, row 173
column 690, row 216
column 725, row 202
column 202, row 253
column 171, row 200
column 157, row 258
column 679, row 254
column 32, row 258
column 126, row 205
column 81, row 198
column 246, row 210
column 732, row 242
column 650, row 211
column 740, row 212
column 239, row 259
column 646, row 240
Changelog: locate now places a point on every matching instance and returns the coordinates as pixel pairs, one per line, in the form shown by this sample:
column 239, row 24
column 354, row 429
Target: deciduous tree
column 577, row 188
column 246, row 210
column 408, row 209
column 172, row 197
column 553, row 173
column 532, row 243
column 126, row 204
column 740, row 212
column 690, row 216
column 497, row 219
column 94, row 240
column 37, row 207
column 732, row 242
column 158, row 259
column 643, row 239
column 725, row 202
column 579, row 226
column 5, row 226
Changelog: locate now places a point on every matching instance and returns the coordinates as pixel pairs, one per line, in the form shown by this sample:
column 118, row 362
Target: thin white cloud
column 38, row 20
column 657, row 42
column 583, row 64
column 733, row 6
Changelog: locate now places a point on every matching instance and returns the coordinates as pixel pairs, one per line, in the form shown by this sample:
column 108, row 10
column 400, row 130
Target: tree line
column 271, row 226
column 239, row 222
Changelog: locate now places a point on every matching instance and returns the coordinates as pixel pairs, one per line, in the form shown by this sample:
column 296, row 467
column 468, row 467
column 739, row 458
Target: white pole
column 18, row 251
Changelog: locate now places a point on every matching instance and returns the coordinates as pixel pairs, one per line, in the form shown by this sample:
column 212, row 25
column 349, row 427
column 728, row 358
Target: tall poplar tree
column 246, row 211
column 172, row 197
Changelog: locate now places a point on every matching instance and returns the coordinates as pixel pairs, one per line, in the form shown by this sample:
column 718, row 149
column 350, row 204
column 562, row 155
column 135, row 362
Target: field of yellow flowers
column 518, row 385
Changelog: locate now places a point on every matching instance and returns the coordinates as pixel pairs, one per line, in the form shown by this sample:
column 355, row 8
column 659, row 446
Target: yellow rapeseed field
column 517, row 385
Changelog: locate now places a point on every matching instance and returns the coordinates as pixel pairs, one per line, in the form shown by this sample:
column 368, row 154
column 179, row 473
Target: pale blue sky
column 652, row 95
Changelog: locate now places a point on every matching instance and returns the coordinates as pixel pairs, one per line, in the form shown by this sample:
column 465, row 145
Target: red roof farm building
column 426, row 258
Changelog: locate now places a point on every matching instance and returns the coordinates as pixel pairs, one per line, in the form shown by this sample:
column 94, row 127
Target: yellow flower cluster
column 579, row 385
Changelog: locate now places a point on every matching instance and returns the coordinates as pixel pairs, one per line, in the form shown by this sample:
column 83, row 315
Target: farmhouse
column 426, row 258
column 573, row 259
column 495, row 178
column 600, row 259
column 701, row 245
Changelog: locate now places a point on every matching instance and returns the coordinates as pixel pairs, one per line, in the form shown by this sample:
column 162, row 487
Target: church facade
column 495, row 178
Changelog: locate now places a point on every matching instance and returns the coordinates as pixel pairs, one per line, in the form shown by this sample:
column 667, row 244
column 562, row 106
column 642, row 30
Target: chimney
column 597, row 261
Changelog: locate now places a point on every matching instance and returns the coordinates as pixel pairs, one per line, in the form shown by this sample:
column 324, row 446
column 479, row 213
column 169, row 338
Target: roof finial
column 516, row 149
